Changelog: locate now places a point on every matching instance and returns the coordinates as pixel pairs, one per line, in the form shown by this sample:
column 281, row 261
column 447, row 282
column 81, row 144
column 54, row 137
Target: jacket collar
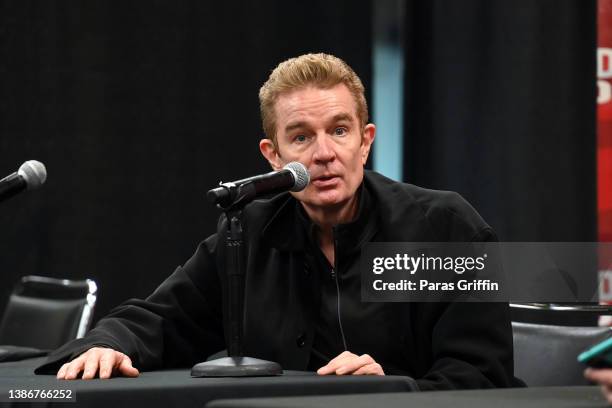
column 290, row 226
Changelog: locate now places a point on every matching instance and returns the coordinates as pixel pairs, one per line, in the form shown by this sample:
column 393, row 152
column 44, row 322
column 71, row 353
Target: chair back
column 560, row 314
column 546, row 355
column 45, row 313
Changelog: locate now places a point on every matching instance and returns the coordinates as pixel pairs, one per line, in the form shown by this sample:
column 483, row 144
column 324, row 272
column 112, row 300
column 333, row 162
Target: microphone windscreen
column 300, row 175
column 34, row 173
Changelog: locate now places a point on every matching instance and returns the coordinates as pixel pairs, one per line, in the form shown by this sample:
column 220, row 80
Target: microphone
column 293, row 177
column 31, row 175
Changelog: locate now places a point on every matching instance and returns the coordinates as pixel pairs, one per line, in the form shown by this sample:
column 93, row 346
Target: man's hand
column 349, row 363
column 105, row 361
column 602, row 376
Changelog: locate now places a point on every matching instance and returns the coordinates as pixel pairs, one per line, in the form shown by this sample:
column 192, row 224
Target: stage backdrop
column 501, row 107
column 137, row 108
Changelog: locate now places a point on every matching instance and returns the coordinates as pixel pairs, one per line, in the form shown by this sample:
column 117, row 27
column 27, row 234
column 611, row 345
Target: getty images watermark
column 412, row 264
column 483, row 271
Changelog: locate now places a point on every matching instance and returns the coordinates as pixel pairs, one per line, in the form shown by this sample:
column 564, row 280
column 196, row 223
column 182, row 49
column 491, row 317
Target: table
column 177, row 388
column 538, row 397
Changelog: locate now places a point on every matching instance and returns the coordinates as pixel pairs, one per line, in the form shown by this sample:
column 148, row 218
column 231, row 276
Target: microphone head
column 34, row 173
column 300, row 175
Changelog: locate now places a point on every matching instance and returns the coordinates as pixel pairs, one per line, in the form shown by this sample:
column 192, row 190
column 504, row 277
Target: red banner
column 604, row 120
column 604, row 140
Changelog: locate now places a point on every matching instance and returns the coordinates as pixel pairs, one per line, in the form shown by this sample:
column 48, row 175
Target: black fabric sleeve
column 472, row 343
column 472, row 348
column 177, row 325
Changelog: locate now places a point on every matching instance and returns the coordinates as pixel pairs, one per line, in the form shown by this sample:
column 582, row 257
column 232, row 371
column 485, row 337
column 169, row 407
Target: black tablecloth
column 557, row 397
column 177, row 388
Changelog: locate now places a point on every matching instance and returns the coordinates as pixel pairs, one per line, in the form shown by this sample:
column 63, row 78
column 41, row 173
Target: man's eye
column 300, row 138
column 340, row 131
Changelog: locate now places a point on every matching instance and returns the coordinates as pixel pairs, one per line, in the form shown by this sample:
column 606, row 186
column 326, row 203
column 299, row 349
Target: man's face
column 320, row 129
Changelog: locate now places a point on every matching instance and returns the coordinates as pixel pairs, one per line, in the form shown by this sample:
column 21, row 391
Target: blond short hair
column 319, row 70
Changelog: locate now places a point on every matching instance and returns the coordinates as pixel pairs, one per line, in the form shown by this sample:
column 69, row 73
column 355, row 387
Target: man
column 302, row 290
column 602, row 376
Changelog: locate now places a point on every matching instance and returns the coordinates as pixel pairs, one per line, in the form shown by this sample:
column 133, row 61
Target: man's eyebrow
column 342, row 116
column 294, row 125
column 336, row 118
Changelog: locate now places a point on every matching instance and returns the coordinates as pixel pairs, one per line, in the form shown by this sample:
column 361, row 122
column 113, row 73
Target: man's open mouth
column 325, row 178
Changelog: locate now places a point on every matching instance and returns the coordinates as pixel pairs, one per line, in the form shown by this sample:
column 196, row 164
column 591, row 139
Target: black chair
column 44, row 313
column 546, row 355
column 560, row 314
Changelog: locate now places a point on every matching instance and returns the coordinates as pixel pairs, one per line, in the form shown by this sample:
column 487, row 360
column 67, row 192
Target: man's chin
column 327, row 200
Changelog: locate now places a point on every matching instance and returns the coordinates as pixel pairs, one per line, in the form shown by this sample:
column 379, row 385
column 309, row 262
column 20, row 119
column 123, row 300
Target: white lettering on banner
column 605, row 286
column 604, row 91
column 604, row 63
column 604, row 71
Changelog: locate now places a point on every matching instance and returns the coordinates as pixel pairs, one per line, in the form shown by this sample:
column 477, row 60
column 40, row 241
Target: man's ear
column 268, row 150
column 369, row 132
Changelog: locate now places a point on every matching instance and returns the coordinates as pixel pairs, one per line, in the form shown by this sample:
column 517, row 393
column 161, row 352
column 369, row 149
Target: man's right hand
column 104, row 362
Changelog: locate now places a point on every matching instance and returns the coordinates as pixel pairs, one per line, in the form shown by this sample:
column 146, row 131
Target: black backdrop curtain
column 500, row 106
column 137, row 108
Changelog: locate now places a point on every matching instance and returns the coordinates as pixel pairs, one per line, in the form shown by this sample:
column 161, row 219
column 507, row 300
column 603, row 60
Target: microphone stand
column 237, row 364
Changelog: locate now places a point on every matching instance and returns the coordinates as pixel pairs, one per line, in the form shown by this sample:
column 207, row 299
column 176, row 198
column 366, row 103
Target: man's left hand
column 348, row 363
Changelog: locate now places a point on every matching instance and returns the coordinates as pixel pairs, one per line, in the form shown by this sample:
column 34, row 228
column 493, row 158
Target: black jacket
column 288, row 300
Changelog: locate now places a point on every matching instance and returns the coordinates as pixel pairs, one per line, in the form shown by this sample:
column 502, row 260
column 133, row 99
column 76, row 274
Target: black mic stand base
column 236, row 367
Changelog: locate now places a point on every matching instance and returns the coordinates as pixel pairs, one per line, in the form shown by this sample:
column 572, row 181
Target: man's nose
column 324, row 150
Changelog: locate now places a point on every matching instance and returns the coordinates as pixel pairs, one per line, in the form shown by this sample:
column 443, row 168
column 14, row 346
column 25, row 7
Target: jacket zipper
column 335, row 278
